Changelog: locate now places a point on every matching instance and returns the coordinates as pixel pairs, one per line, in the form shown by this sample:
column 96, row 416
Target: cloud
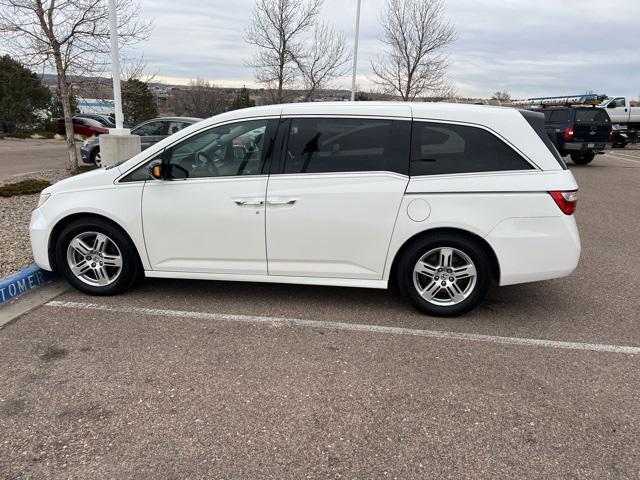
column 529, row 47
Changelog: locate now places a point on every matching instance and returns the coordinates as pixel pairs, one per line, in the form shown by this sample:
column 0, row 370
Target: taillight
column 568, row 134
column 566, row 201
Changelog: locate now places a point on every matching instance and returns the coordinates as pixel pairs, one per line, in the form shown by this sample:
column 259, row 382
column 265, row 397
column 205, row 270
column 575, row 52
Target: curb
column 23, row 281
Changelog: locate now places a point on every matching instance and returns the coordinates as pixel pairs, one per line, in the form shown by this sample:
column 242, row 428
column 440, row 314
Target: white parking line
column 624, row 156
column 353, row 327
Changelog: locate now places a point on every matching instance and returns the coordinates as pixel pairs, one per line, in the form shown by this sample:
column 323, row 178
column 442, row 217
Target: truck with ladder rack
column 576, row 125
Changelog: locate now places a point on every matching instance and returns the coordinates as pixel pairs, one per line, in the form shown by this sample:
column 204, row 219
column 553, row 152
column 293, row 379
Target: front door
column 332, row 206
column 208, row 216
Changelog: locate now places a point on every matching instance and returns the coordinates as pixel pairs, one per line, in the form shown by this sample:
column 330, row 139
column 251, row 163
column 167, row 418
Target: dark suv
column 580, row 132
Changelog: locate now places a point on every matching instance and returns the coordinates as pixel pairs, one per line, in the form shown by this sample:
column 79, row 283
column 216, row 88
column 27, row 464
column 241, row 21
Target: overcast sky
column 528, row 47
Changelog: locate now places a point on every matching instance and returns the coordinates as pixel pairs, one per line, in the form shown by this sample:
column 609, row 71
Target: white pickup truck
column 622, row 112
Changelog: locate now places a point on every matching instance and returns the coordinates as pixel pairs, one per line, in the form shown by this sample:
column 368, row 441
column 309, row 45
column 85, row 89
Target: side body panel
column 202, row 225
column 337, row 224
column 512, row 212
column 120, row 203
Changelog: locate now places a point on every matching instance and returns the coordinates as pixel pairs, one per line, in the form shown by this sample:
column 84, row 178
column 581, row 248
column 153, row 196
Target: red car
column 87, row 127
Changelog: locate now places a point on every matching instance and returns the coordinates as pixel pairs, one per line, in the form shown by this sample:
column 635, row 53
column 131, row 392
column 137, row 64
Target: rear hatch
column 591, row 125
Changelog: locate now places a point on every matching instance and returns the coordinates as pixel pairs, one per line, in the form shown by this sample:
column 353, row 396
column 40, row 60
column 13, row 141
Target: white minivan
column 439, row 198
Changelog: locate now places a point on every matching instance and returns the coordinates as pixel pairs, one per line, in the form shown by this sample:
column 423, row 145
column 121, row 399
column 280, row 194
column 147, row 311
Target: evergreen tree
column 22, row 96
column 242, row 100
column 138, row 104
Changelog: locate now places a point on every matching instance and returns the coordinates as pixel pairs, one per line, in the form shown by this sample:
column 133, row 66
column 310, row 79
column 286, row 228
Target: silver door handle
column 290, row 201
column 247, row 203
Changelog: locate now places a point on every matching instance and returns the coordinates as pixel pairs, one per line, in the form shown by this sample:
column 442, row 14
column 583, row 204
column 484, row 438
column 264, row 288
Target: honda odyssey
column 440, row 199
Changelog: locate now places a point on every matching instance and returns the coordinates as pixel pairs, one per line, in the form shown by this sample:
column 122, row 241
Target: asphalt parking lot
column 183, row 379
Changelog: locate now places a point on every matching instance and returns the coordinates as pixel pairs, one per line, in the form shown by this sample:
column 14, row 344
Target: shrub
column 23, row 187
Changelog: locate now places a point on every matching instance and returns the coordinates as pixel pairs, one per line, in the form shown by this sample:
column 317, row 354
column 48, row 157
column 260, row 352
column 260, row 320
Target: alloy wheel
column 445, row 276
column 94, row 258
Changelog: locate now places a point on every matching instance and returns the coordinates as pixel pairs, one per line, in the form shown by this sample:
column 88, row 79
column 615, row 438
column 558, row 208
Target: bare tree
column 72, row 36
column 502, row 96
column 276, row 28
column 415, row 33
column 324, row 61
column 199, row 99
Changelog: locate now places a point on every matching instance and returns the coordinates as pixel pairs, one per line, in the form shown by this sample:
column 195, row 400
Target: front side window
column 322, row 145
column 445, row 149
column 229, row 150
column 151, row 129
column 618, row 102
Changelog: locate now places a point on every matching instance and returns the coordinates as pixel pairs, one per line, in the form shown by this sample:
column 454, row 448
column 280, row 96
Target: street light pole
column 115, row 66
column 119, row 144
column 355, row 54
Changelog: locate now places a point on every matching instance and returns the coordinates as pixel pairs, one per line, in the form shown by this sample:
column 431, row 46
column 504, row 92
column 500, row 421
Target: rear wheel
column 444, row 274
column 583, row 158
column 97, row 257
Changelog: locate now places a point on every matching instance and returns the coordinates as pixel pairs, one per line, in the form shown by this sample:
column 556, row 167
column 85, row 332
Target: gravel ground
column 15, row 214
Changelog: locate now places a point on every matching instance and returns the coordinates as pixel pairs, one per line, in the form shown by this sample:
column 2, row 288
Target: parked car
column 87, row 127
column 438, row 198
column 619, row 137
column 103, row 120
column 151, row 132
column 580, row 132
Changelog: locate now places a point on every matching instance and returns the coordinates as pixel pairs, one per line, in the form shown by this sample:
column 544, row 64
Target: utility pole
column 355, row 54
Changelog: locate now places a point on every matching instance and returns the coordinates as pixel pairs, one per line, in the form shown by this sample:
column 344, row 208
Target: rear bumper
column 586, row 146
column 532, row 249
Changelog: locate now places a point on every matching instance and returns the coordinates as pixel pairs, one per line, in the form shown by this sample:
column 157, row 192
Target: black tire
column 583, row 158
column 95, row 158
column 131, row 271
column 470, row 247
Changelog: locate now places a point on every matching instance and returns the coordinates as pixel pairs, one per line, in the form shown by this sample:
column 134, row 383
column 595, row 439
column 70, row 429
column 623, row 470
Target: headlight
column 85, row 143
column 43, row 198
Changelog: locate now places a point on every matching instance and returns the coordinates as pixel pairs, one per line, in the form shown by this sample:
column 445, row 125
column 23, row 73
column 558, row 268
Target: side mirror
column 155, row 169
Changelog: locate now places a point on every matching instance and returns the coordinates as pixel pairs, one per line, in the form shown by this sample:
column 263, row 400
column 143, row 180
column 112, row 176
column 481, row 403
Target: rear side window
column 536, row 121
column 559, row 116
column 439, row 148
column 592, row 115
column 323, row 145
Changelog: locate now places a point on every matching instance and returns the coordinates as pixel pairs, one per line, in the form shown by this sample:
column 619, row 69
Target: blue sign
column 23, row 281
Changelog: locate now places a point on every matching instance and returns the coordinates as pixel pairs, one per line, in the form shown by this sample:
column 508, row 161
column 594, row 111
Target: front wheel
column 583, row 158
column 96, row 159
column 97, row 257
column 444, row 275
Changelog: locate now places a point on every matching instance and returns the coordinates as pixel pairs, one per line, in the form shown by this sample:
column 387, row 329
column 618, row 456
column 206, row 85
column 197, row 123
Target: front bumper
column 85, row 153
column 39, row 231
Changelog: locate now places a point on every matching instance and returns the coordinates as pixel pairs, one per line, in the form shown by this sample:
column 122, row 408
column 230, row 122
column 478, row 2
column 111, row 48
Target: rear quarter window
column 439, row 148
